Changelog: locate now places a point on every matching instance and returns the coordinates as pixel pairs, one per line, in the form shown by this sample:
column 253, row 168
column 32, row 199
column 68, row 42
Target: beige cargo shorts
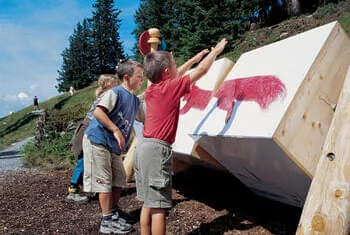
column 102, row 168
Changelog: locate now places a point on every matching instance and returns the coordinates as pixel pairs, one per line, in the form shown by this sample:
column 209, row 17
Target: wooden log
column 327, row 207
column 303, row 129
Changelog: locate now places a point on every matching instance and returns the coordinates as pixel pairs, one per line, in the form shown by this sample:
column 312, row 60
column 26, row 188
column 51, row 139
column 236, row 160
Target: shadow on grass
column 61, row 102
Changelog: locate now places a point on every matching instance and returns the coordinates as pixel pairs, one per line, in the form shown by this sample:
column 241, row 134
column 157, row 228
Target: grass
column 79, row 104
column 345, row 21
column 53, row 154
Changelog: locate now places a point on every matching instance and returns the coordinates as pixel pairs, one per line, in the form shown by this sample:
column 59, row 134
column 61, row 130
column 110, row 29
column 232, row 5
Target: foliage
column 94, row 48
column 107, row 47
column 190, row 26
column 52, row 154
column 77, row 67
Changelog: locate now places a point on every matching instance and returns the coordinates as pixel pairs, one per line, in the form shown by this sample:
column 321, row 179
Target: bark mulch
column 205, row 201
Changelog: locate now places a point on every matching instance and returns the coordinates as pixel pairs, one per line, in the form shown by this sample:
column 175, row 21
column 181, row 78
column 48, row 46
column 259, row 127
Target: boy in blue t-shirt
column 105, row 140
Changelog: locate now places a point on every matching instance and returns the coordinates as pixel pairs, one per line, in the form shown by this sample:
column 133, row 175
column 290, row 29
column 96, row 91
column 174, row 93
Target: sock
column 107, row 215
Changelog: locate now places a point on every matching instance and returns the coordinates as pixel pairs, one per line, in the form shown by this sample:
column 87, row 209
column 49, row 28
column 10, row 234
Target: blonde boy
column 105, row 140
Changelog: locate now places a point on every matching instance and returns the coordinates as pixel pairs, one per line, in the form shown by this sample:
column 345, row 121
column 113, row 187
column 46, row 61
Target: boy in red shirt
column 152, row 159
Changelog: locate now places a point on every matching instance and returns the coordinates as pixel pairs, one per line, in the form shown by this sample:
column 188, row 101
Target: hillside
column 16, row 127
column 72, row 108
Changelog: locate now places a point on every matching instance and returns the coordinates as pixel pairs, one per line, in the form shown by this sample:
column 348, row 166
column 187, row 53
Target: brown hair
column 155, row 63
column 103, row 82
column 127, row 68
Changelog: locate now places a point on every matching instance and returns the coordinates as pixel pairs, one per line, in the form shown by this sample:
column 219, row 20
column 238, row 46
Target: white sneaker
column 110, row 226
column 76, row 198
column 116, row 218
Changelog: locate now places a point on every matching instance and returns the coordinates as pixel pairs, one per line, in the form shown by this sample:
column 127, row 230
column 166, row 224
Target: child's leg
column 158, row 221
column 118, row 178
column 116, row 191
column 78, row 173
column 145, row 221
column 106, row 203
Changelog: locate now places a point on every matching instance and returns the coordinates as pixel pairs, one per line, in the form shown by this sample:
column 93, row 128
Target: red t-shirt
column 163, row 107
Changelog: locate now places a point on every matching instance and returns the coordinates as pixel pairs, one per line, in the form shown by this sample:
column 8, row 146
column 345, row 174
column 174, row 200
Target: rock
column 309, row 16
column 284, row 35
column 254, row 26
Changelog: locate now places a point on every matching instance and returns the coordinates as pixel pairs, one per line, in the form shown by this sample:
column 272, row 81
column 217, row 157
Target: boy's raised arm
column 100, row 114
column 205, row 64
column 188, row 64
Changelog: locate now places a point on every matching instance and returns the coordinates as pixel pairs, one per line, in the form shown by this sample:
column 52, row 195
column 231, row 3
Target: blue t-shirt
column 122, row 107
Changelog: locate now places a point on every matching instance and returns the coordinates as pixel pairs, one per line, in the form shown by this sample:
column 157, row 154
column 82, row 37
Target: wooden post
column 327, row 206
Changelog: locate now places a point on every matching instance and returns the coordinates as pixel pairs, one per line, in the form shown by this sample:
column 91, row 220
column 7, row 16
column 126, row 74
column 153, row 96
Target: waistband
column 157, row 141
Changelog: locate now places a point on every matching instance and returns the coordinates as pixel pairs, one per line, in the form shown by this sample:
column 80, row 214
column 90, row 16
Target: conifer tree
column 107, row 46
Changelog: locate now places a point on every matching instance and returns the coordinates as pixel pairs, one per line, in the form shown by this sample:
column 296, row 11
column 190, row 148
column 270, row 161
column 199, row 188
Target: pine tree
column 76, row 68
column 65, row 74
column 150, row 14
column 106, row 40
column 187, row 26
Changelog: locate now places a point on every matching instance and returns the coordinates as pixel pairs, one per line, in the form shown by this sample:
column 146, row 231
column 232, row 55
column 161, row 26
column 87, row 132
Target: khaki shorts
column 102, row 169
column 152, row 165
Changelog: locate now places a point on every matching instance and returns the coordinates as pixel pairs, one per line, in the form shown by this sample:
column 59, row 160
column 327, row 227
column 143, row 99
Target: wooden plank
column 129, row 159
column 327, row 207
column 304, row 127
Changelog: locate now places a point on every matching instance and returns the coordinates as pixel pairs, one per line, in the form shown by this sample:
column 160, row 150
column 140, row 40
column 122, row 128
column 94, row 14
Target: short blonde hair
column 103, row 81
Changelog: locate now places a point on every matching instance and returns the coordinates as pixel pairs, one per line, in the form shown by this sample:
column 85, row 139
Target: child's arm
column 195, row 59
column 103, row 118
column 205, row 64
column 140, row 115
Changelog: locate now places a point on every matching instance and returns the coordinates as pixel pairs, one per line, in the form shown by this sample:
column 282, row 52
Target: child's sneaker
column 117, row 218
column 75, row 197
column 111, row 226
column 123, row 216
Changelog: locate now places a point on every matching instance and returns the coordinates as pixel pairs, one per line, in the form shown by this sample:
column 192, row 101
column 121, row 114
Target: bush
column 52, row 153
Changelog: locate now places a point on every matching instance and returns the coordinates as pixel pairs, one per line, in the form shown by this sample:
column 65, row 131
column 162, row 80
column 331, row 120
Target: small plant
column 51, row 154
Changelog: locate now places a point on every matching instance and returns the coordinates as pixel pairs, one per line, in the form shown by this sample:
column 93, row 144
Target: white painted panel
column 183, row 142
column 261, row 165
column 289, row 60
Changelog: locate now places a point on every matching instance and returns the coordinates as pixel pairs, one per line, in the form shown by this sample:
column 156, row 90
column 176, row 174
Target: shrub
column 52, row 153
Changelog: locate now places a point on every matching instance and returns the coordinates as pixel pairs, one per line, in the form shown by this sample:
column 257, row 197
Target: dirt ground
column 205, row 202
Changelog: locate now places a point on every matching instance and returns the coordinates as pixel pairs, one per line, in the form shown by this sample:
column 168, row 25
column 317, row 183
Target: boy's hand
column 120, row 138
column 199, row 56
column 219, row 47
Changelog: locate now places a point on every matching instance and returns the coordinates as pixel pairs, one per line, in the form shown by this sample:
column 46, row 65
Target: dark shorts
column 153, row 165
